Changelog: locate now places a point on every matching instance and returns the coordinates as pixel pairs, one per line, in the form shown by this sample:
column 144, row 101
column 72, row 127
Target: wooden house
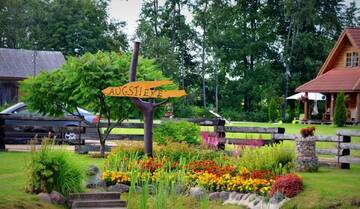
column 18, row 64
column 339, row 73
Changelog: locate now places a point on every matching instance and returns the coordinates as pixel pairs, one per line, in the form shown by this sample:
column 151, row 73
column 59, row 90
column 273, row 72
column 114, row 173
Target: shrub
column 175, row 151
column 51, row 169
column 181, row 131
column 289, row 185
column 277, row 158
column 340, row 110
column 273, row 112
column 119, row 157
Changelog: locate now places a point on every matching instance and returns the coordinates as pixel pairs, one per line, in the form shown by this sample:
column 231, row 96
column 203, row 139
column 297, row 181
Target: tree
column 273, row 113
column 62, row 25
column 79, row 82
column 340, row 114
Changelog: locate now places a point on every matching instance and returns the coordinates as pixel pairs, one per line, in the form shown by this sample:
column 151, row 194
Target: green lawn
column 329, row 188
column 13, row 180
column 289, row 129
column 325, row 189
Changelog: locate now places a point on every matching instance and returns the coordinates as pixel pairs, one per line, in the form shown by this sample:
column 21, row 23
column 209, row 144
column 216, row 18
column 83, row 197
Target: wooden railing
column 342, row 150
column 16, row 129
column 219, row 129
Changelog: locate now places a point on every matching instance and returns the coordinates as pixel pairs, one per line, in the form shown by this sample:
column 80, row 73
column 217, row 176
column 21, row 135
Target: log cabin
column 339, row 73
column 18, row 64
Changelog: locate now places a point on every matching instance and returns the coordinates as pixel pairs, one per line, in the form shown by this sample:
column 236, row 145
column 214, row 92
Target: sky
column 128, row 11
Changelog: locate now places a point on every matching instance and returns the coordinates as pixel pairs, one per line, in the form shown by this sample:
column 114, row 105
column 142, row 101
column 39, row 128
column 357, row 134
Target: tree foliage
column 244, row 50
column 62, row 25
column 340, row 114
column 79, row 82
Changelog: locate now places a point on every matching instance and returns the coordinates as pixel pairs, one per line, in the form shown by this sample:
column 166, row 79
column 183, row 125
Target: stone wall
column 306, row 159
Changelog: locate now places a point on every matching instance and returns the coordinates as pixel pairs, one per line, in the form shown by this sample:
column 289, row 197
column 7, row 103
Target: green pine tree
column 340, row 110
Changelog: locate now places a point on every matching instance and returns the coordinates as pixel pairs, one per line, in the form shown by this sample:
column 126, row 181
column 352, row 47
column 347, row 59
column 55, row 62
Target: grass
column 289, row 129
column 329, row 188
column 183, row 202
column 13, row 181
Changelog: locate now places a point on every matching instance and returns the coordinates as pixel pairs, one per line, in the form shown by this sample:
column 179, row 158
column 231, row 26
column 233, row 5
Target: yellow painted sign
column 143, row 89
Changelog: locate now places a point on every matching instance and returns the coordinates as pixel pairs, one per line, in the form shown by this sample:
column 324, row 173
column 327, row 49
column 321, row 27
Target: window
column 352, row 59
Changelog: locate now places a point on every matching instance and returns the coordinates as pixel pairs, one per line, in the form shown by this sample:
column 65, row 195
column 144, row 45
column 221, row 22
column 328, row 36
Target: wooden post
column 343, row 140
column 147, row 108
column 357, row 116
column 332, row 106
column 306, row 107
column 2, row 143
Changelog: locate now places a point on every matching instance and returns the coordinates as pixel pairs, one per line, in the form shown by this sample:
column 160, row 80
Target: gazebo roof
column 335, row 80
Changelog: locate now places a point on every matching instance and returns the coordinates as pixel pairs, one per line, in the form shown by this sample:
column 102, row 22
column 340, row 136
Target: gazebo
column 339, row 73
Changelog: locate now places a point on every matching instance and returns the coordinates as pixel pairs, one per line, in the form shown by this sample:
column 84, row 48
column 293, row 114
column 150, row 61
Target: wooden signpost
column 138, row 90
column 144, row 90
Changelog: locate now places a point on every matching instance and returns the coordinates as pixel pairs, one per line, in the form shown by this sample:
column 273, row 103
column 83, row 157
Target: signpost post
column 138, row 90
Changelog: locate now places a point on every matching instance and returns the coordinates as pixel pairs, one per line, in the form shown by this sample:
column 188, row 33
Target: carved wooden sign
column 143, row 89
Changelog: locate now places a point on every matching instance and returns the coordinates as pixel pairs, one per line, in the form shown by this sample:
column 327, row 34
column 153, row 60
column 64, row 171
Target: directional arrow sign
column 143, row 89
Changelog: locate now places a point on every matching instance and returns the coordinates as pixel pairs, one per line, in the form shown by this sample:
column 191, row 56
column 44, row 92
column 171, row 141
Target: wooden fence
column 16, row 129
column 219, row 129
column 342, row 150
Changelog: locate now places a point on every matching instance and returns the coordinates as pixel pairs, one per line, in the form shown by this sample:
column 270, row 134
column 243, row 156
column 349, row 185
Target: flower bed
column 213, row 172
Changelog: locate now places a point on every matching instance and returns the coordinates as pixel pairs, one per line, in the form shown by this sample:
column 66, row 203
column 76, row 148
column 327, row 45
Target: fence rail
column 19, row 129
column 342, row 150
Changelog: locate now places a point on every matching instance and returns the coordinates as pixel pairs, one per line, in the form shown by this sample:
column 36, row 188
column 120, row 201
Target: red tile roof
column 354, row 35
column 335, row 80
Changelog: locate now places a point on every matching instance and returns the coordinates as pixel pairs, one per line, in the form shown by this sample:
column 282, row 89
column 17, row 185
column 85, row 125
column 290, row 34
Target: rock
column 196, row 192
column 232, row 195
column 119, row 188
column 224, row 195
column 256, row 201
column 94, row 178
column 151, row 189
column 94, row 181
column 93, row 170
column 57, row 198
column 180, row 189
column 214, row 196
column 138, row 189
column 45, row 197
column 239, row 196
column 277, row 198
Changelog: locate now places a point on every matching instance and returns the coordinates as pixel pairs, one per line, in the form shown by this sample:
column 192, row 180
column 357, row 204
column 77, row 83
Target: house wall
column 340, row 60
column 8, row 91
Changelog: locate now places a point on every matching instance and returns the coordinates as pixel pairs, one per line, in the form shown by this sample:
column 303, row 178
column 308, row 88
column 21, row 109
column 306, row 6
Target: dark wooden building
column 339, row 73
column 18, row 64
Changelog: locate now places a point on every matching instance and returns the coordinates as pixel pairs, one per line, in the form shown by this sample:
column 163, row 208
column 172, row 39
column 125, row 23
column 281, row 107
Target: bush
column 119, row 157
column 175, row 151
column 289, row 185
column 277, row 158
column 273, row 112
column 340, row 110
column 238, row 115
column 173, row 131
column 51, row 169
column 183, row 110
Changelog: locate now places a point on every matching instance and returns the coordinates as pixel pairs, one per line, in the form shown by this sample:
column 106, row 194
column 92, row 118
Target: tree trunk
column 102, row 147
column 217, row 88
